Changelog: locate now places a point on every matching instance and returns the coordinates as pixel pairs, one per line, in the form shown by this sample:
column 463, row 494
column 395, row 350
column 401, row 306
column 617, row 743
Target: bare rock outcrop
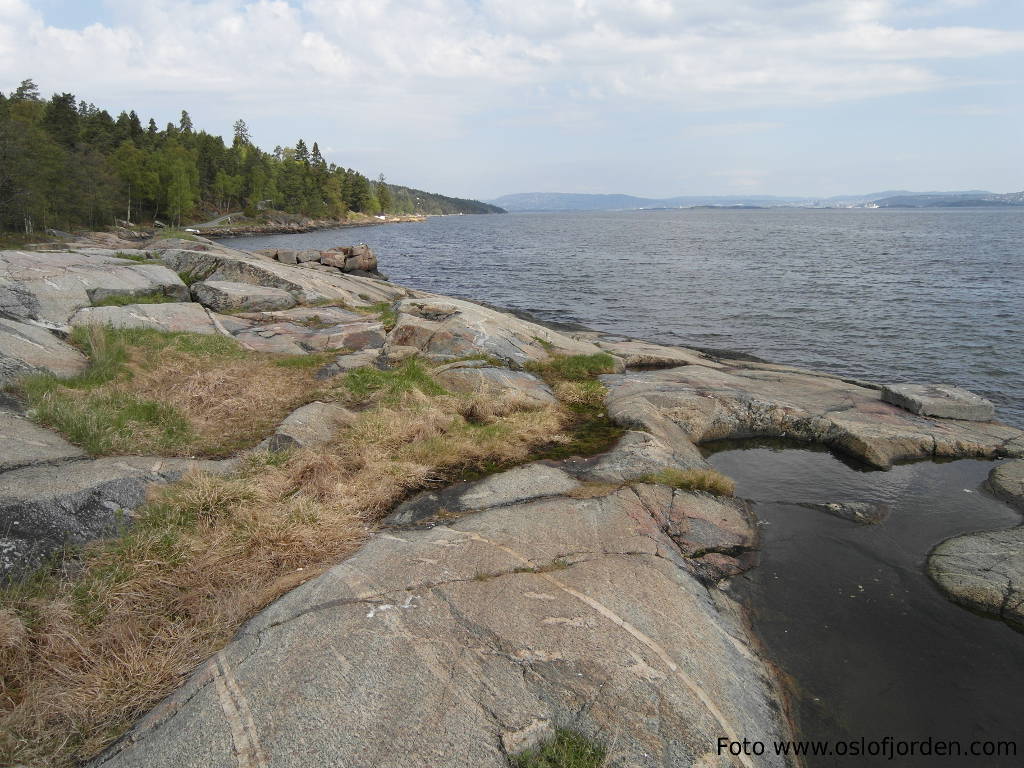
column 480, row 376
column 51, row 286
column 187, row 317
column 985, row 570
column 48, row 504
column 27, row 347
column 223, row 296
column 743, row 400
column 442, row 328
column 306, row 286
column 457, row 644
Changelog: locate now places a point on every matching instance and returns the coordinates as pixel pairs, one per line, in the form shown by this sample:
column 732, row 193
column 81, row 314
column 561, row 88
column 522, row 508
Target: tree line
column 65, row 163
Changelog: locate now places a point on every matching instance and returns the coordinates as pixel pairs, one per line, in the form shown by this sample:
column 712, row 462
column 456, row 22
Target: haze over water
column 885, row 295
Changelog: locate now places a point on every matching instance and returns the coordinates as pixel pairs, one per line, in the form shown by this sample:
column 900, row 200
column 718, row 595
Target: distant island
column 563, row 201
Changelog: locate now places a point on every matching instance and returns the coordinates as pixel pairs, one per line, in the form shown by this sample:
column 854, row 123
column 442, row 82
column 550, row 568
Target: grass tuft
column 389, row 386
column 123, row 300
column 135, row 257
column 707, row 480
column 566, row 750
column 574, row 367
column 385, row 310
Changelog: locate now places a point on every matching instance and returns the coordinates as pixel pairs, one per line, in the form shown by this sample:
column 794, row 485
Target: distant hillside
column 410, row 200
column 971, row 199
column 561, row 201
column 65, row 163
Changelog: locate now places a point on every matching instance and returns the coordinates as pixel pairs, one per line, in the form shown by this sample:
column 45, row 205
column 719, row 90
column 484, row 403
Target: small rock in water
column 863, row 512
column 941, row 400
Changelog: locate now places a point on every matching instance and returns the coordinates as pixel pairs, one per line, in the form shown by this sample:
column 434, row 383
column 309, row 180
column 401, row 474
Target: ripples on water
column 885, row 295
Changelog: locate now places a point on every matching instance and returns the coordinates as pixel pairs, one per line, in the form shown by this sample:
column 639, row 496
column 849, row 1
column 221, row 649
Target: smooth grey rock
column 287, row 257
column 189, row 317
column 44, row 508
column 222, row 296
column 307, row 255
column 525, row 483
column 643, row 354
column 636, row 455
column 1007, row 482
column 23, row 443
column 744, row 400
column 940, row 400
column 301, row 337
column 307, row 286
column 61, row 283
column 478, row 376
column 984, row 571
column 311, row 425
column 29, row 348
column 443, row 328
column 345, row 363
column 449, row 645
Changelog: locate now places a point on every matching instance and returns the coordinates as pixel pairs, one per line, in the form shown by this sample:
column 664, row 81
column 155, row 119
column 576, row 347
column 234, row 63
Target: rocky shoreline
column 587, row 593
column 287, row 226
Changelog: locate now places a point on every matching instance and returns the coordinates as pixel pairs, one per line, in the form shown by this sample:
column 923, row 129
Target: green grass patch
column 566, row 750
column 384, row 310
column 314, row 360
column 109, row 421
column 135, row 257
column 106, row 422
column 706, row 480
column 492, row 361
column 123, row 300
column 106, row 346
column 389, row 386
column 169, row 233
column 573, row 367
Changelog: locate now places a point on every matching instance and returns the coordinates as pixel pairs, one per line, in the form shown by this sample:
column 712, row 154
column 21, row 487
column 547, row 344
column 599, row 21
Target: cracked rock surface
column 743, row 399
column 455, row 644
column 985, row 570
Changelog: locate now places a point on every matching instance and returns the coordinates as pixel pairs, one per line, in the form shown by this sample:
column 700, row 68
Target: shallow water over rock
column 869, row 645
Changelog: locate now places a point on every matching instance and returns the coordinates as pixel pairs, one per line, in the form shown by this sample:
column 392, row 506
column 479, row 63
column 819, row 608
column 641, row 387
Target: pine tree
column 242, row 136
column 185, row 124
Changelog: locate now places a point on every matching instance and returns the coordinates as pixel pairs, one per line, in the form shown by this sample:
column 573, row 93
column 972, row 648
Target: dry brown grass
column 84, row 654
column 230, row 404
column 172, row 394
column 594, row 490
column 581, row 393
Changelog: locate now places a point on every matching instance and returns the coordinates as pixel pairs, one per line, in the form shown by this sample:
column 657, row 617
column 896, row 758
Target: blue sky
column 485, row 97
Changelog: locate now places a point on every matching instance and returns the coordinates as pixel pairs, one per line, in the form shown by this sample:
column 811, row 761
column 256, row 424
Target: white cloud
column 697, row 54
column 375, row 73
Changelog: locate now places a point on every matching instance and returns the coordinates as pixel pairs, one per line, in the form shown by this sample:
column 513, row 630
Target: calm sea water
column 868, row 644
column 885, row 295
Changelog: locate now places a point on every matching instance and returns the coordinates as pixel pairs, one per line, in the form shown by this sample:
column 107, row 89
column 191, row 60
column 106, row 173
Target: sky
column 481, row 98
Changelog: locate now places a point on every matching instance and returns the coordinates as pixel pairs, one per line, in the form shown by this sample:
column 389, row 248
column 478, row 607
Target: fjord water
column 867, row 643
column 884, row 295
